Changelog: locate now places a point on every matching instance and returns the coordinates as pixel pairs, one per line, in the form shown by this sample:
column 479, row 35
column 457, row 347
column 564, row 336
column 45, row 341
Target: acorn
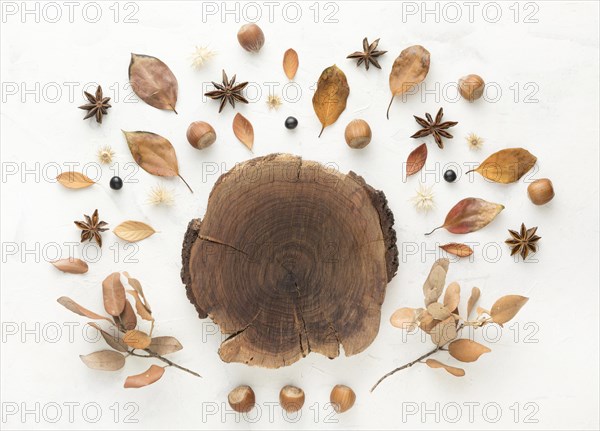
column 357, row 134
column 251, row 37
column 541, row 191
column 342, row 398
column 471, row 87
column 201, row 135
column 291, row 398
column 242, row 399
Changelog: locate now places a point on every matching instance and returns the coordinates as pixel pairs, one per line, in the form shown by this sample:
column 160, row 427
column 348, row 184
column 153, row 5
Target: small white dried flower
column 201, row 56
column 160, row 195
column 475, row 142
column 273, row 102
column 423, row 200
column 105, row 154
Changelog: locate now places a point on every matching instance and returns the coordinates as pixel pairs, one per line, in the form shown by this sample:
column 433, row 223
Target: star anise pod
column 523, row 242
column 91, row 228
column 435, row 128
column 368, row 55
column 98, row 105
column 228, row 91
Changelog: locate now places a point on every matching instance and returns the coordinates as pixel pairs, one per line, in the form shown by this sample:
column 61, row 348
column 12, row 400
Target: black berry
column 291, row 123
column 450, row 176
column 116, row 183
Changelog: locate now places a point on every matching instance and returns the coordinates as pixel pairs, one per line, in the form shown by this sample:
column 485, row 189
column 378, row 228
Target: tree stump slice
column 290, row 258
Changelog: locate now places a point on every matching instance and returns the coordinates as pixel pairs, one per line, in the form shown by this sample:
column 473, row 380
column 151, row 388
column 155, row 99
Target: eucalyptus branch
column 170, row 363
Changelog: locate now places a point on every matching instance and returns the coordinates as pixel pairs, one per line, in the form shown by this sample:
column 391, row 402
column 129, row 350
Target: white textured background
column 545, row 368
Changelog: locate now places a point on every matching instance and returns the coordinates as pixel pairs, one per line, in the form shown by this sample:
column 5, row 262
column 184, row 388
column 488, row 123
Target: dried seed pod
column 242, row 399
column 358, row 134
column 201, row 135
column 291, row 398
column 342, row 398
column 541, row 191
column 471, row 87
column 251, row 37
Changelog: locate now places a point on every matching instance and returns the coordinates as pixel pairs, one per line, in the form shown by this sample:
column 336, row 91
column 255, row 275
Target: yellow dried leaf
column 466, row 350
column 137, row 339
column 154, row 154
column 329, row 100
column 74, row 180
column 133, row 231
column 452, row 296
column 506, row 308
column 506, row 166
column 243, row 130
column 433, row 363
column 290, row 63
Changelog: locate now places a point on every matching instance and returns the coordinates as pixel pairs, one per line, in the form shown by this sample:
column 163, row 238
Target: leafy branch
column 443, row 323
column 125, row 339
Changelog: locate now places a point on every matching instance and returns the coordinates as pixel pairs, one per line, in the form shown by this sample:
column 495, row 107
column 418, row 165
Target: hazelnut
column 358, row 134
column 342, row 398
column 251, row 37
column 201, row 135
column 540, row 191
column 291, row 398
column 471, row 87
column 242, row 399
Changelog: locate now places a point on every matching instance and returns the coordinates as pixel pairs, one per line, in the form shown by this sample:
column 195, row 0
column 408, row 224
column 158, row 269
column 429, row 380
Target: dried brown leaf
column 457, row 249
column 438, row 311
column 137, row 339
column 153, row 81
column 475, row 294
column 113, row 293
column 290, row 63
column 404, row 318
column 506, row 166
column 133, row 231
column 74, row 180
column 105, row 360
column 416, row 160
column 71, row 265
column 409, row 69
column 434, row 285
column 329, row 100
column 127, row 318
column 113, row 341
column 141, row 309
column 165, row 345
column 243, row 130
column 146, row 378
column 71, row 305
column 427, row 322
column 470, row 215
column 444, row 332
column 433, row 363
column 452, row 296
column 154, row 154
column 466, row 350
column 505, row 308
